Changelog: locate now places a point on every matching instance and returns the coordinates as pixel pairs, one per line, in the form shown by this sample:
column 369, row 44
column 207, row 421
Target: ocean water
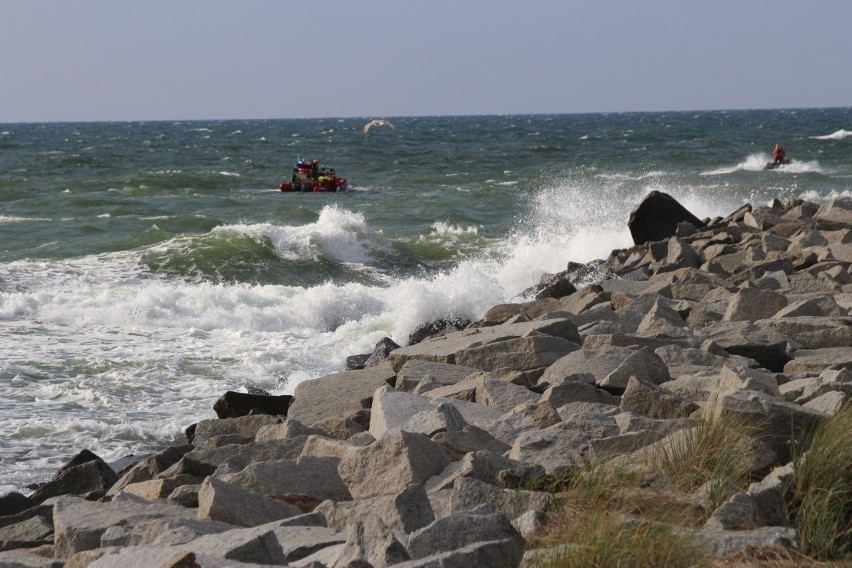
column 148, row 267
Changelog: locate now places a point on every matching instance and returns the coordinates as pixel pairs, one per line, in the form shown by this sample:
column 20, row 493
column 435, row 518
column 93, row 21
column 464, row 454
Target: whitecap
column 838, row 135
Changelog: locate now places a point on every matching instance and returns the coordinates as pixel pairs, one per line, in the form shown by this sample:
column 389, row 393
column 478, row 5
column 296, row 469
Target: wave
column 838, row 135
column 334, row 235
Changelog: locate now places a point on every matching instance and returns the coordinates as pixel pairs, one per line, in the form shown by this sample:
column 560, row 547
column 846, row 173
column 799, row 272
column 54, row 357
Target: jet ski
column 776, row 165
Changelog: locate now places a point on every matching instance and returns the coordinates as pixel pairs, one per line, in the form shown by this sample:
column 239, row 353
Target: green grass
column 821, row 502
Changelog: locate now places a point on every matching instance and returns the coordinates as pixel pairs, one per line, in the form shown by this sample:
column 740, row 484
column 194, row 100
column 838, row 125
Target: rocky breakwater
column 426, row 456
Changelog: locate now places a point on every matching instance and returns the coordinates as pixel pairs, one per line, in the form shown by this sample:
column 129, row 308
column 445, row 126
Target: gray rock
column 773, row 420
column 643, row 363
column 464, row 529
column 653, row 401
column 24, row 559
column 751, row 340
column 222, row 501
column 818, row 360
column 79, row 524
column 829, row 403
column 469, row 439
column 370, row 540
column 391, row 464
column 724, row 542
column 444, row 349
column 244, row 426
column 315, row 477
column 531, row 351
column 150, row 467
column 502, row 394
column 404, row 512
column 576, row 388
column 525, row 417
column 340, row 394
column 750, row 304
column 489, row 553
column 469, row 493
column 563, row 446
column 415, row 370
column 732, row 378
column 481, row 465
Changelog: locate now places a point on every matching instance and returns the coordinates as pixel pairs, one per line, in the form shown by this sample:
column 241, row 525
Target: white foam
column 837, row 135
column 334, row 235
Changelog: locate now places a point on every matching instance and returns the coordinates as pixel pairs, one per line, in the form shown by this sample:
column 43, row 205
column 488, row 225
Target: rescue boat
column 309, row 176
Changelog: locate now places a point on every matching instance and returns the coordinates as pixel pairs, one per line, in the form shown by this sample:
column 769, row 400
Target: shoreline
column 423, row 457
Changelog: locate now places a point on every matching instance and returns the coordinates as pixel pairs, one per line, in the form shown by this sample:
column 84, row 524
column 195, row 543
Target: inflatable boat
column 309, row 176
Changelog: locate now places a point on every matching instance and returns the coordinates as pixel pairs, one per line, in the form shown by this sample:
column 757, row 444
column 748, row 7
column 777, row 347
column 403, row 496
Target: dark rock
column 437, row 328
column 381, row 352
column 355, row 362
column 13, row 503
column 190, row 432
column 551, row 286
column 80, row 476
column 235, row 404
column 656, row 218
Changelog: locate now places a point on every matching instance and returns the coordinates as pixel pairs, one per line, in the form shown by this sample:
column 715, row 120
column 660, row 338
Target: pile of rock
column 416, row 459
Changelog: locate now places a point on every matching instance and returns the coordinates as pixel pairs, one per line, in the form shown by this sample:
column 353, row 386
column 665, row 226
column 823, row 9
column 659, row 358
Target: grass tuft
column 821, row 506
column 711, row 454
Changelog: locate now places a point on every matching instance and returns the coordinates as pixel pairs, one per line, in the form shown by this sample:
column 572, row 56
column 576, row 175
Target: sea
column 148, row 267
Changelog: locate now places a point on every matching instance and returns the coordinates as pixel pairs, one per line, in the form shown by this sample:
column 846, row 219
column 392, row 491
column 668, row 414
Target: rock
column 469, row 439
column 391, row 464
column 415, row 370
column 568, row 389
column 370, row 540
column 643, row 363
column 13, row 503
column 750, row 304
column 445, row 349
column 404, row 512
column 482, row 465
column 818, row 360
column 656, row 218
column 773, row 420
column 748, row 339
column 27, row 529
column 24, row 559
column 470, row 493
column 436, row 328
column 234, row 404
column 313, row 476
column 563, row 446
column 763, row 504
column 219, row 500
column 148, row 468
column 158, row 488
column 464, row 529
column 79, row 524
column 733, row 378
column 381, row 352
column 650, row 400
column 85, row 473
column 501, row 394
column 724, row 542
column 244, row 426
column 340, row 394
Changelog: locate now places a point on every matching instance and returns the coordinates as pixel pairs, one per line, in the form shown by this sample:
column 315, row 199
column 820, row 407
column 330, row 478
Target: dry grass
column 598, row 523
column 711, row 454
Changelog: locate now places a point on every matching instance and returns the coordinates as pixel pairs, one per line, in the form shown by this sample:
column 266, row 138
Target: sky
column 94, row 60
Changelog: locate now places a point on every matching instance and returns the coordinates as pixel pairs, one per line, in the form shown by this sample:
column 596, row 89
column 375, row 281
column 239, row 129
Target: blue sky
column 70, row 60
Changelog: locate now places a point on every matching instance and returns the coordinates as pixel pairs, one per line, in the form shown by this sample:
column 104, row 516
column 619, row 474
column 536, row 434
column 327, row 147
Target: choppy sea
column 148, row 267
